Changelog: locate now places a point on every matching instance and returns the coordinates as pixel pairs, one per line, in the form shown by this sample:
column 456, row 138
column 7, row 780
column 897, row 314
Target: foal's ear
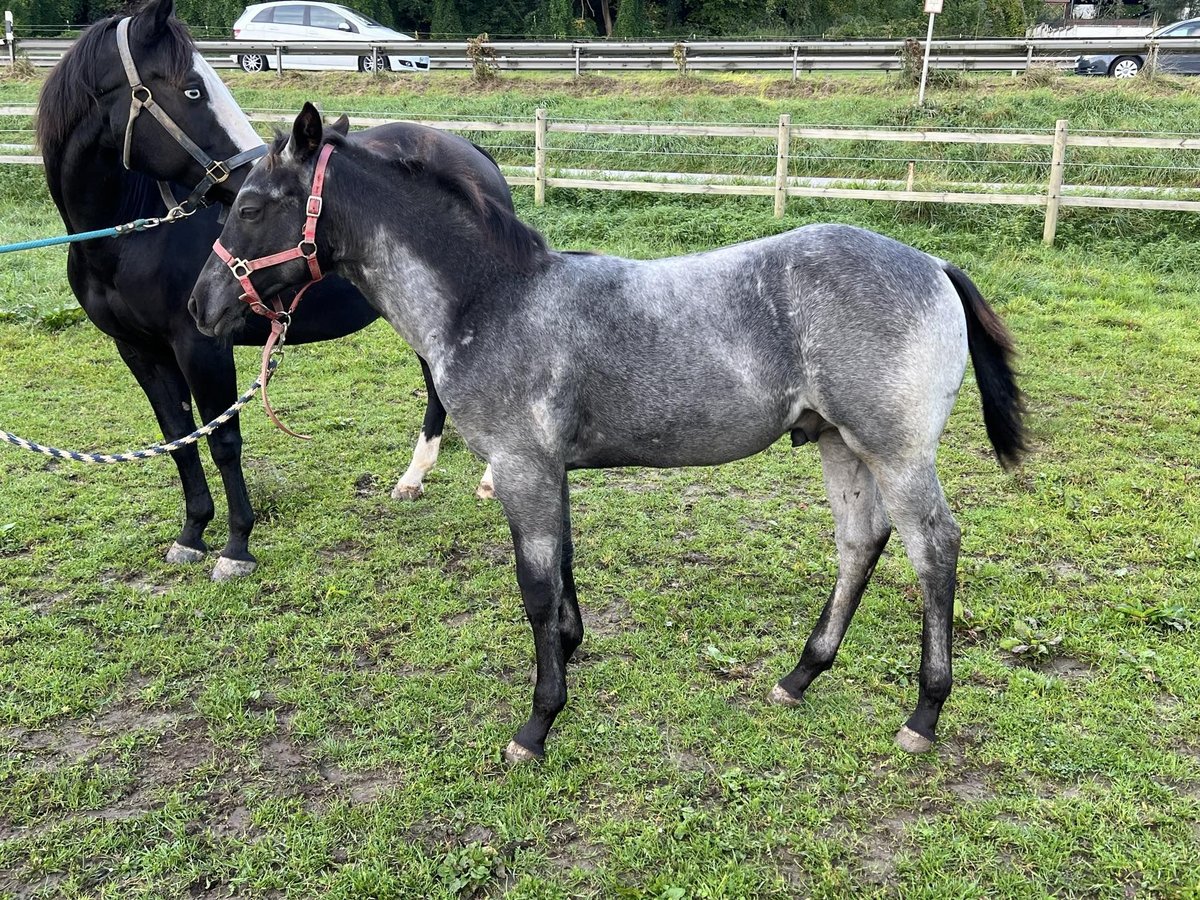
column 342, row 125
column 306, row 134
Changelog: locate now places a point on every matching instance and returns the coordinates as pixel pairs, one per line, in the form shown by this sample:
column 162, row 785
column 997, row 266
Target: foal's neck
column 422, row 275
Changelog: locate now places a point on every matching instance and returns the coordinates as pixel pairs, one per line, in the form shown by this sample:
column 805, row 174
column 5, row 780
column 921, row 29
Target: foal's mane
column 521, row 244
column 71, row 90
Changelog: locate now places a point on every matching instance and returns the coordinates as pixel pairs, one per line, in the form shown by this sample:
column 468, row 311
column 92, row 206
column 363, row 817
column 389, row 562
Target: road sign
column 933, row 6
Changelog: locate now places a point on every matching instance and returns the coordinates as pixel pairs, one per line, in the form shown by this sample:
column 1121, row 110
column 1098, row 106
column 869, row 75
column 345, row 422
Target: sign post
column 933, row 7
column 8, row 37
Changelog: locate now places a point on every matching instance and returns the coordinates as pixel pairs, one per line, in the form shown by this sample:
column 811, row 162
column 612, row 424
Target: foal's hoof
column 181, row 555
column 227, row 568
column 404, row 491
column 780, row 697
column 485, row 491
column 515, row 754
column 911, row 742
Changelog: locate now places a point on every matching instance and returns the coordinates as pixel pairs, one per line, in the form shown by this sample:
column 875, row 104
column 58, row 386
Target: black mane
column 522, row 244
column 72, row 88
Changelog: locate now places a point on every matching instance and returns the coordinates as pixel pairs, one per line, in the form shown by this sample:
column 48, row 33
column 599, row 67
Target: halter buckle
column 315, row 205
column 149, row 96
column 307, row 254
column 240, row 268
column 216, row 172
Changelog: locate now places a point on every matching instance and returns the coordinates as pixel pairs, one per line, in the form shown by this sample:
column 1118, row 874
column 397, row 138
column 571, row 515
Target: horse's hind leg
column 425, row 454
column 861, row 530
column 165, row 387
column 213, row 379
column 931, row 538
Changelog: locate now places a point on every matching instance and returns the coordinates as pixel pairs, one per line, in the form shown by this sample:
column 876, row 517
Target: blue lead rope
column 115, row 231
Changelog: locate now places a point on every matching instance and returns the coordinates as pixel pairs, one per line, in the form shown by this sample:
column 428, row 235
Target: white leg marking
column 424, row 457
column 486, row 489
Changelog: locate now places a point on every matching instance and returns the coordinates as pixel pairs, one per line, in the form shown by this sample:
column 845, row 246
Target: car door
column 1179, row 62
column 290, row 27
column 327, row 24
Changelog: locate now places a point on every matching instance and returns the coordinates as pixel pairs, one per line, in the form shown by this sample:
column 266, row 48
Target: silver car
column 1126, row 64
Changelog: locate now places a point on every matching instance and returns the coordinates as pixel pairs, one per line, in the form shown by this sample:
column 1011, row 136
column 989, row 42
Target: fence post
column 795, row 62
column 9, row 39
column 782, row 158
column 539, row 157
column 278, row 61
column 1054, row 192
column 576, row 60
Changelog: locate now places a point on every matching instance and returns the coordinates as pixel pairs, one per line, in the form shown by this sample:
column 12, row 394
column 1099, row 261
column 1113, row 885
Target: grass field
column 331, row 726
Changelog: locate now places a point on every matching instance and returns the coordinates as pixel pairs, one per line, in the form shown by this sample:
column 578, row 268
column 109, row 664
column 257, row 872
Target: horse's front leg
column 532, row 496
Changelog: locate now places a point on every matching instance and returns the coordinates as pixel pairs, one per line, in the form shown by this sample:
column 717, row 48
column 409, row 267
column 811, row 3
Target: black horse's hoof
column 780, row 697
column 911, row 742
column 182, row 555
column 515, row 754
column 227, row 568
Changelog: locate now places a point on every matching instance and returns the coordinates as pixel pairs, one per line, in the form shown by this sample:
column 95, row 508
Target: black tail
column 991, row 349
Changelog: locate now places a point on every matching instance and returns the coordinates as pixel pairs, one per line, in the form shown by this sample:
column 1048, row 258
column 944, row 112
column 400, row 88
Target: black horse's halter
column 215, row 171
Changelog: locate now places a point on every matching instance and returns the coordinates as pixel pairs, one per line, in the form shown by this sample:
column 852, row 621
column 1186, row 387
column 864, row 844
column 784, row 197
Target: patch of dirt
column 568, row 850
column 351, row 549
column 358, row 787
column 366, row 485
column 972, row 786
column 1067, row 667
column 1064, row 571
column 615, row 617
column 458, row 620
column 71, row 742
column 880, row 846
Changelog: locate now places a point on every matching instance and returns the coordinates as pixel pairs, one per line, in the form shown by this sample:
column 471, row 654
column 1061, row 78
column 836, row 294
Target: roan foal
column 556, row 361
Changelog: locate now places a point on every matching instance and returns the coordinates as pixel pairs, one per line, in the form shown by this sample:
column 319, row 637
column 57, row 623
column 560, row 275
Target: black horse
column 102, row 161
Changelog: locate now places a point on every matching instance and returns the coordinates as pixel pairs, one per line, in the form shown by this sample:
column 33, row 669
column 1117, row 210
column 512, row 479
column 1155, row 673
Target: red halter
column 306, row 250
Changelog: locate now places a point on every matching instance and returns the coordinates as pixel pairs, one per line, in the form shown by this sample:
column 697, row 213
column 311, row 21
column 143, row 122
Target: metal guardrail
column 796, row 57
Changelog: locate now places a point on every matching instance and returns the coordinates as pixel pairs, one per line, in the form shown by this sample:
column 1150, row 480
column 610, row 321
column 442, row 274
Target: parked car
column 284, row 22
column 1127, row 64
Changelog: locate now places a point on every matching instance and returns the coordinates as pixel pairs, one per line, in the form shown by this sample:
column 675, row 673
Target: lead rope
column 268, row 369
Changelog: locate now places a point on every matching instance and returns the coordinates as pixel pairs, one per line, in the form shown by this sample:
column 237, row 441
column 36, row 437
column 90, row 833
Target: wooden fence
column 1053, row 195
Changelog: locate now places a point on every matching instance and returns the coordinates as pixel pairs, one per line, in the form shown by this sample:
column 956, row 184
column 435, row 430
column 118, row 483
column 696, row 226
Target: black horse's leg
column 570, row 622
column 861, row 530
column 931, row 539
column 425, row 454
column 167, row 390
column 209, row 369
column 532, row 497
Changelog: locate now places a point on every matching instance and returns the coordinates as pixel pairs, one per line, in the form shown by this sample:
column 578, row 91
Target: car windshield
column 366, row 20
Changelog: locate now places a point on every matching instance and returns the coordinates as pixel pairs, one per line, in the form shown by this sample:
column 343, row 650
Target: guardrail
column 1052, row 195
column 796, row 57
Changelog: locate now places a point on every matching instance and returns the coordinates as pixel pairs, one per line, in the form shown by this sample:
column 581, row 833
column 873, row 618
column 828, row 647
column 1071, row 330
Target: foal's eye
column 192, row 93
column 249, row 213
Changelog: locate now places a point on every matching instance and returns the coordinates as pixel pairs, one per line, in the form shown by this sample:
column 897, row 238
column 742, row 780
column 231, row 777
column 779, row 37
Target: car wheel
column 368, row 63
column 1125, row 67
column 253, row 62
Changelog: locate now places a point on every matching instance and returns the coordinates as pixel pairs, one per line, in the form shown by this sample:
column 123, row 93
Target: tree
column 631, row 20
column 445, row 21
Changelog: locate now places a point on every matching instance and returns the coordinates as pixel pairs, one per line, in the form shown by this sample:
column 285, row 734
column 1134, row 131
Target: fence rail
column 796, row 57
column 1053, row 194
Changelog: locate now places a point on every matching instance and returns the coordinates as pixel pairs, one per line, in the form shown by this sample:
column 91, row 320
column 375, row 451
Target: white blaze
column 224, row 108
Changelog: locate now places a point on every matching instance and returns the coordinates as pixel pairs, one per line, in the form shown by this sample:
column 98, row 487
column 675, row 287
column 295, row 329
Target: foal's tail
column 991, row 349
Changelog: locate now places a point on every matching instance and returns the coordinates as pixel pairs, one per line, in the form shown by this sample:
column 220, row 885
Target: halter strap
column 141, row 98
column 307, row 250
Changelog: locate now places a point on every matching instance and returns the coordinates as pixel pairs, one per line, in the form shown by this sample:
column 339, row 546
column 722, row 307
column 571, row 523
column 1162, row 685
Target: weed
column 1028, row 641
column 483, row 58
column 1165, row 616
column 469, row 868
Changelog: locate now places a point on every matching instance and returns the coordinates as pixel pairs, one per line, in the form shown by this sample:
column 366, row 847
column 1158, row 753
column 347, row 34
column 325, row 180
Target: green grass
column 331, row 726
